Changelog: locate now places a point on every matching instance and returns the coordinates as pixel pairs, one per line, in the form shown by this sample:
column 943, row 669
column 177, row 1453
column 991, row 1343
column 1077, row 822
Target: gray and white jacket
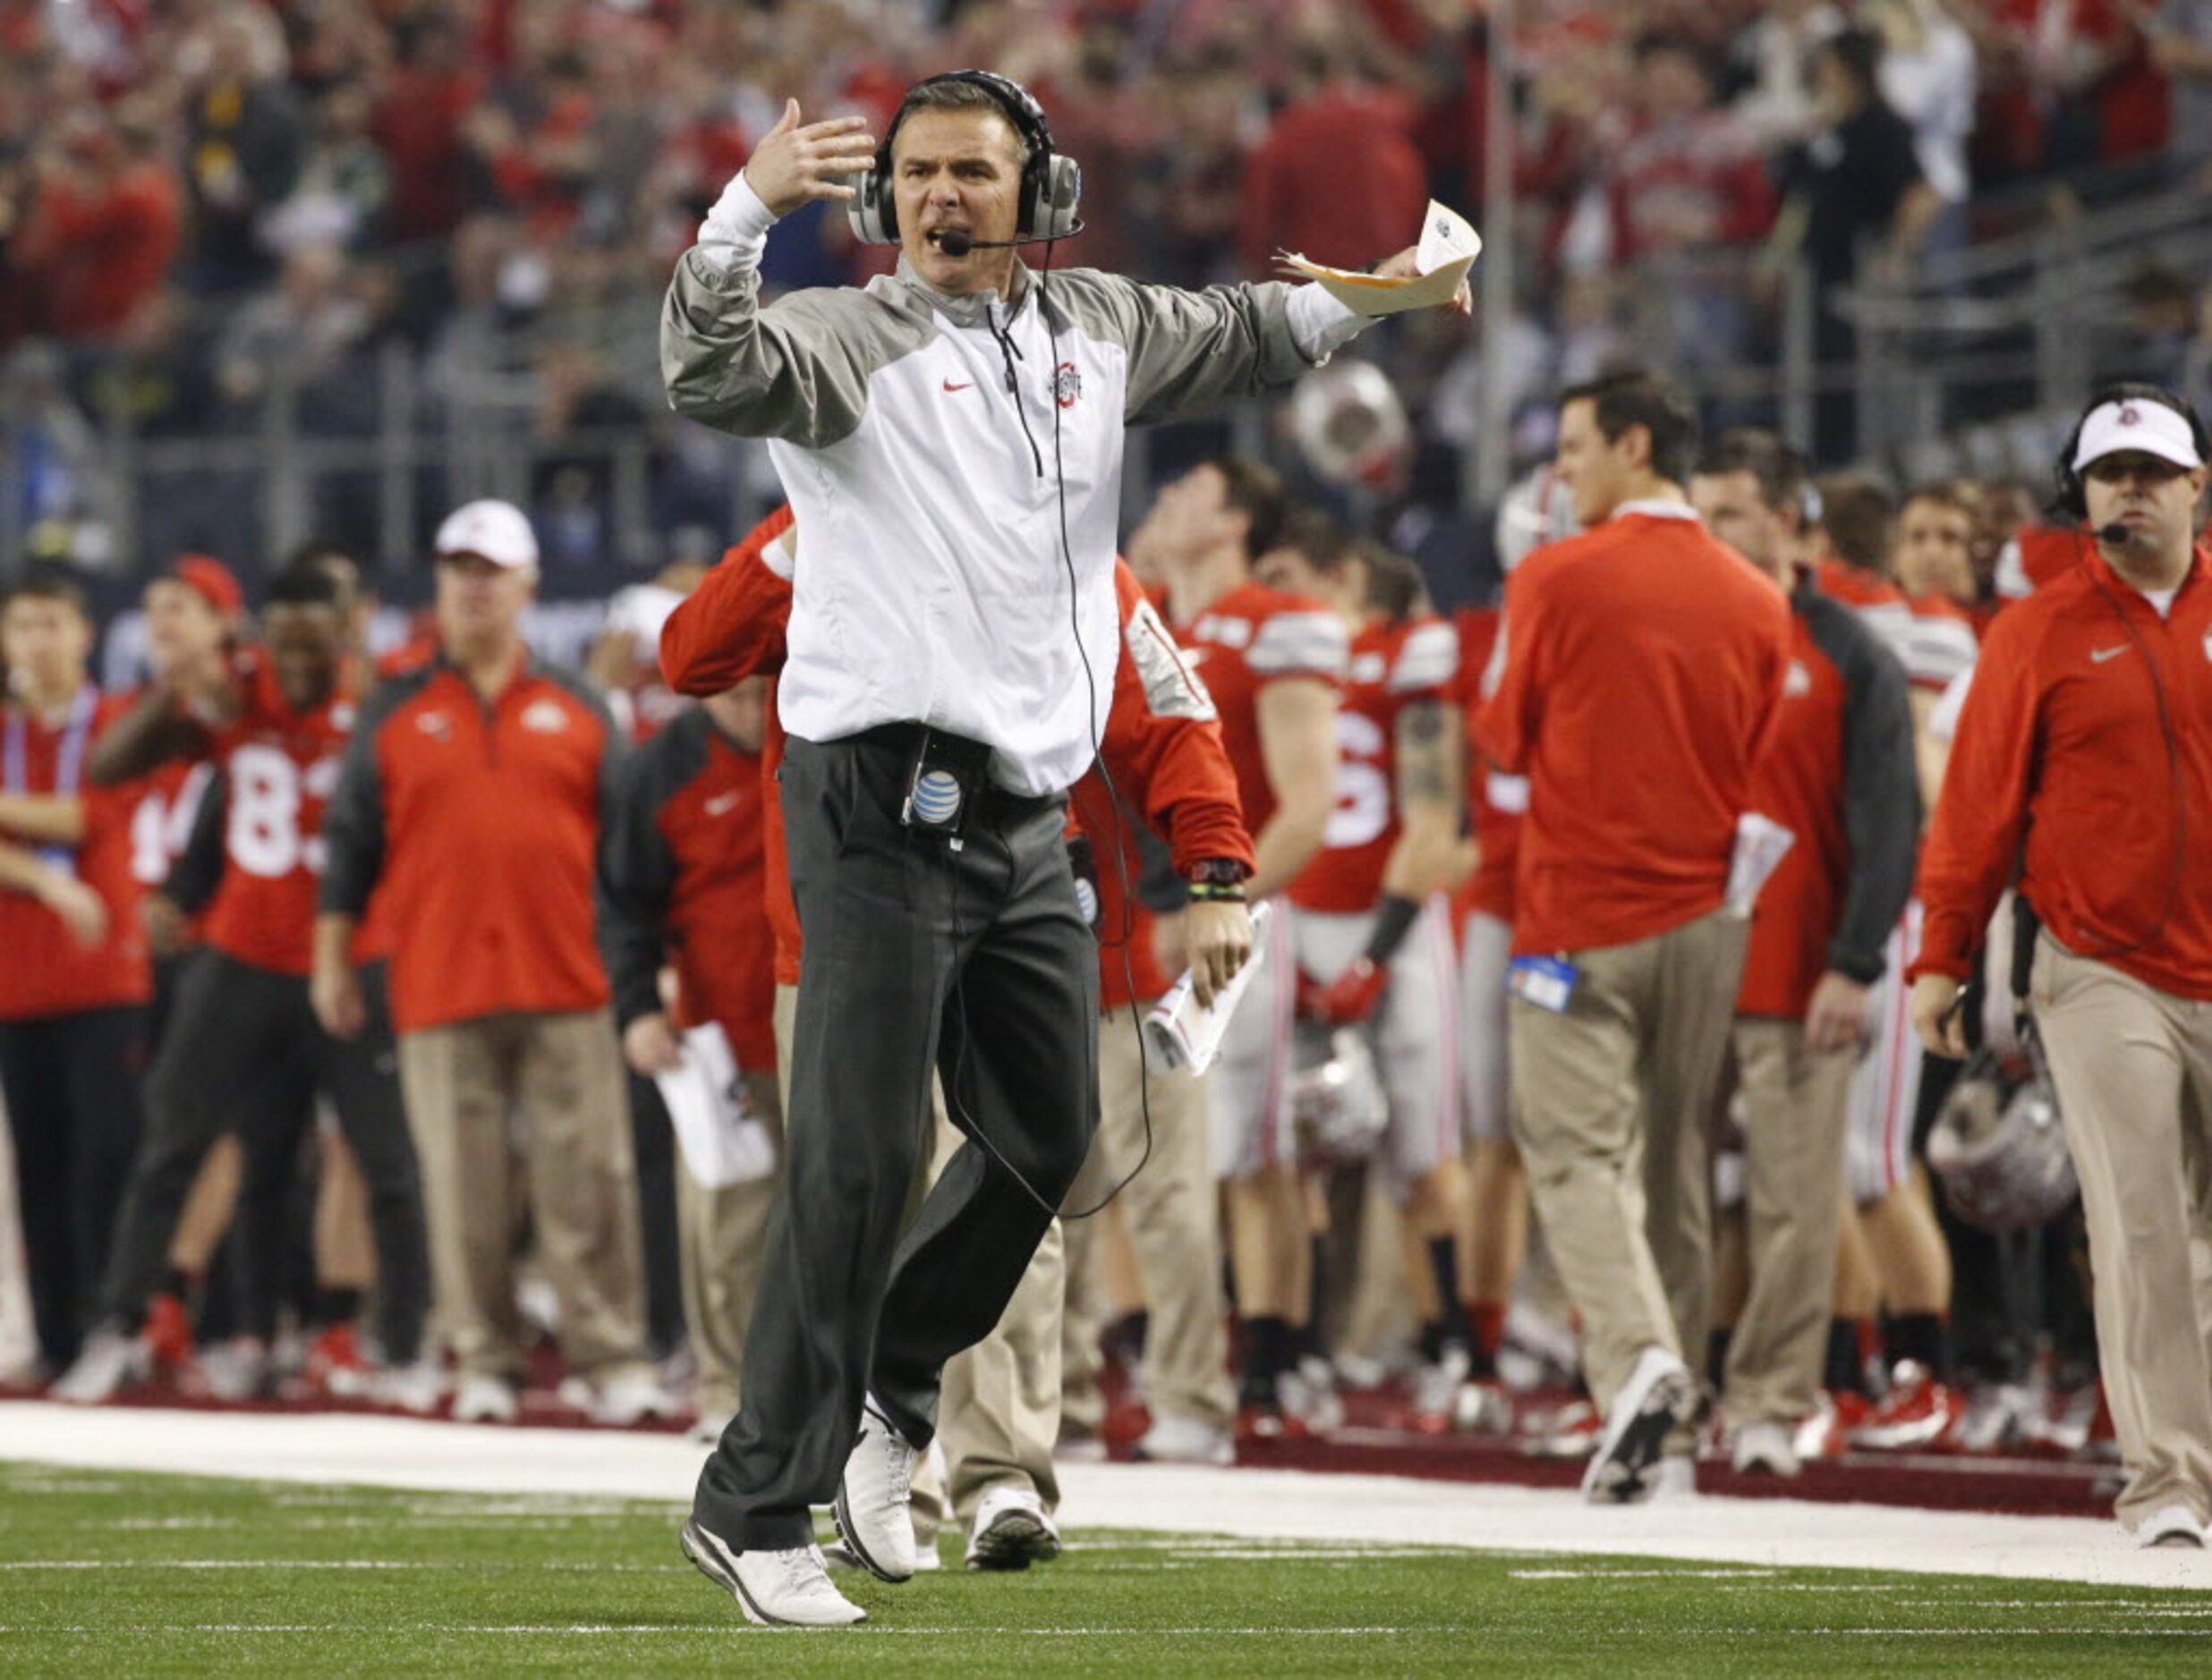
column 925, row 442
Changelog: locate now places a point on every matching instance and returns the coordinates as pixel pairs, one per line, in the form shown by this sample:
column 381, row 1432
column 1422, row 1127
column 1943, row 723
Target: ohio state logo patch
column 1066, row 384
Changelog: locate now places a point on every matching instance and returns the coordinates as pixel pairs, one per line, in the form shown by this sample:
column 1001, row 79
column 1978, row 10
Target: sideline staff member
column 951, row 443
column 2084, row 750
column 1637, row 680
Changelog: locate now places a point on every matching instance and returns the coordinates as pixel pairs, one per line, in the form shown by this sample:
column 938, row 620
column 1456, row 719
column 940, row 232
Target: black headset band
column 1016, row 102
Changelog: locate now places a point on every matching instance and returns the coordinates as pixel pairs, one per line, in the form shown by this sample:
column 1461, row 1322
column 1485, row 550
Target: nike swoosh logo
column 2099, row 655
column 968, row 386
column 722, row 803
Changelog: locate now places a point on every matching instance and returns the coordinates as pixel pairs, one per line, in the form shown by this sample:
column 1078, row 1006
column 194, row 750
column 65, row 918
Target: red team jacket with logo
column 1639, row 679
column 684, row 873
column 1497, row 802
column 1840, row 775
column 2061, row 768
column 45, row 971
column 1163, row 751
column 1392, row 666
column 479, row 821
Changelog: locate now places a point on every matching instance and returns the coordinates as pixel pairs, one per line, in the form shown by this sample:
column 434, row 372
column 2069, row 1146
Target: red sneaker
column 168, row 1332
column 334, row 1362
column 1915, row 1413
column 1828, row 1430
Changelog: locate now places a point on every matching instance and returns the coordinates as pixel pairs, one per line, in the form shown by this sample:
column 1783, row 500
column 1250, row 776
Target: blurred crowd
column 203, row 201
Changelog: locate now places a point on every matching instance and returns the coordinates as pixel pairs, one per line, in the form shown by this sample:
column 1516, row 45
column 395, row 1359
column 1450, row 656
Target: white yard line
column 1253, row 1505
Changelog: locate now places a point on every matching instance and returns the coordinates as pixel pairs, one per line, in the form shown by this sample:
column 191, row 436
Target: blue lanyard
column 69, row 764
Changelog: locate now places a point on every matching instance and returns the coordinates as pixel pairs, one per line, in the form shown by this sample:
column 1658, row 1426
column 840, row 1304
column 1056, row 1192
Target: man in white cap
column 471, row 802
column 2081, row 755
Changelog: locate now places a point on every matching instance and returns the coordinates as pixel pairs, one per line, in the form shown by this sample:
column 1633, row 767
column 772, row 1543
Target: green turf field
column 110, row 1573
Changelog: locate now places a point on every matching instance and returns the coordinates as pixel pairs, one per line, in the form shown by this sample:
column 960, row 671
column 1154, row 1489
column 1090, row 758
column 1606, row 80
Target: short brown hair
column 1396, row 588
column 1635, row 397
column 1255, row 490
column 1780, row 469
column 46, row 583
column 1860, row 518
column 1315, row 536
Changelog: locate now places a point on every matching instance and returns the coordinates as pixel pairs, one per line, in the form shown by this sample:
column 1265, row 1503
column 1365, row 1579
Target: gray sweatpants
column 979, row 963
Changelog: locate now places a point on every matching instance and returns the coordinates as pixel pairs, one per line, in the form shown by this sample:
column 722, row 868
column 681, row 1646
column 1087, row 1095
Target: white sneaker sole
column 847, row 1531
column 1015, row 1539
column 1619, row 1471
column 710, row 1558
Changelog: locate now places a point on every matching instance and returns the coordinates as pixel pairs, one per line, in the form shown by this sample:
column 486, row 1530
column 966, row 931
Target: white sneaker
column 1483, row 1408
column 1173, row 1441
column 415, row 1389
column 1309, row 1395
column 238, row 1370
column 875, row 1499
column 108, row 1360
column 776, row 1589
column 1654, row 1401
column 631, row 1396
column 1766, row 1447
column 1674, row 1478
column 2170, row 1525
column 1436, row 1391
column 482, row 1399
column 1011, row 1531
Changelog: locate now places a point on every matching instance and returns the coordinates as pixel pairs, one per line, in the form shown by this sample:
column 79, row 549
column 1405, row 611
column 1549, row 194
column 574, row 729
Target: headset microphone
column 956, row 241
column 2116, row 535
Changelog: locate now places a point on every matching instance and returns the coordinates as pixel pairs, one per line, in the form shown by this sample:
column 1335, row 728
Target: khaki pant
column 1174, row 1222
column 1612, row 1108
column 721, row 1238
column 2133, row 1069
column 562, row 1075
column 1795, row 1103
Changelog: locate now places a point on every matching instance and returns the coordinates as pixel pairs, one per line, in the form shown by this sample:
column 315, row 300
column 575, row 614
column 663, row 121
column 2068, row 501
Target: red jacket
column 683, row 875
column 1642, row 678
column 1497, row 802
column 481, row 820
column 2061, row 769
column 1161, row 744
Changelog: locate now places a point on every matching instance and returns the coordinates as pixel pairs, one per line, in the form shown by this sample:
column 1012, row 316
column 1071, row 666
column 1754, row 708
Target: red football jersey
column 280, row 765
column 1249, row 638
column 1496, row 801
column 1393, row 667
column 46, row 972
column 161, row 821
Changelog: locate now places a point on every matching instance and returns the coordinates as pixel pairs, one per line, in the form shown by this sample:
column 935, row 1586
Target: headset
column 1051, row 183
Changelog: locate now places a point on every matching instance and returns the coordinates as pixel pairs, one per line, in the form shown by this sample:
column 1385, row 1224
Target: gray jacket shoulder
column 796, row 369
column 1189, row 351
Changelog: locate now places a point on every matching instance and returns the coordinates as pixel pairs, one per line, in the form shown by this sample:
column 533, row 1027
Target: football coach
column 950, row 438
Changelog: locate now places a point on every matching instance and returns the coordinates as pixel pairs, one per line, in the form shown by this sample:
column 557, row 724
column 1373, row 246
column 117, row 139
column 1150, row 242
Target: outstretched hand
column 795, row 164
column 1405, row 266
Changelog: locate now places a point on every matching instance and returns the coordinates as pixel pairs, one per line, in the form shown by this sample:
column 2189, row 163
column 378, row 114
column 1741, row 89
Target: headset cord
column 1009, row 353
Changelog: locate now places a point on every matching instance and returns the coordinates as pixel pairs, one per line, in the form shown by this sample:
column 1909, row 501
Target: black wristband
column 1212, row 893
column 1393, row 921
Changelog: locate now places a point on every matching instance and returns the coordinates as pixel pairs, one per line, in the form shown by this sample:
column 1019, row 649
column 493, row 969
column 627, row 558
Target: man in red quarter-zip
column 2084, row 750
column 475, row 794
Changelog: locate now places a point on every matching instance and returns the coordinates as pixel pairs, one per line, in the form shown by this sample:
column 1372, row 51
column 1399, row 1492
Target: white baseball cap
column 498, row 531
column 2132, row 425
